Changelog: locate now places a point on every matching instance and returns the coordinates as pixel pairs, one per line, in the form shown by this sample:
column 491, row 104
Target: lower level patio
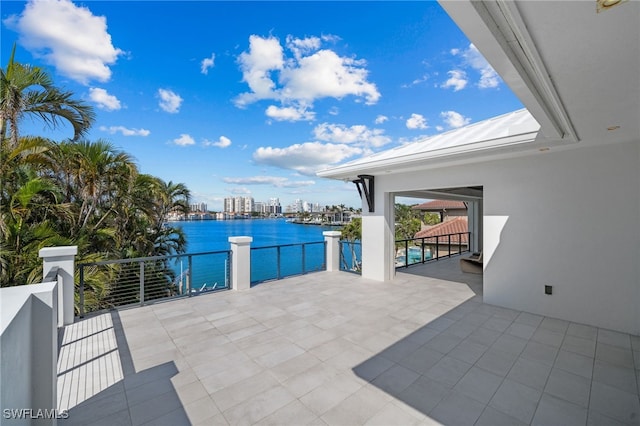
column 331, row 348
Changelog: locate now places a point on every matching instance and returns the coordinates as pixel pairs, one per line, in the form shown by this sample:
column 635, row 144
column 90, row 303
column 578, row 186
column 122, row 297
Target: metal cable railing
column 285, row 260
column 351, row 256
column 420, row 250
column 113, row 283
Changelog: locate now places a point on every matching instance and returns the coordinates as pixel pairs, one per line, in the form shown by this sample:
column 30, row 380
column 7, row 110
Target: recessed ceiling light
column 610, row 128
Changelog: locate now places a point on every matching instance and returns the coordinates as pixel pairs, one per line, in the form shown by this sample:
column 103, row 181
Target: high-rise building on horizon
column 198, row 207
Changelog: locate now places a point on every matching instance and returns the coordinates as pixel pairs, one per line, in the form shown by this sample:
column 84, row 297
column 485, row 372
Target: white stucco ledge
column 58, row 251
column 240, row 240
column 332, row 234
column 12, row 299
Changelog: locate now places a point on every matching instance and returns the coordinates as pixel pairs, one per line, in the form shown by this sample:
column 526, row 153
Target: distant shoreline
column 302, row 222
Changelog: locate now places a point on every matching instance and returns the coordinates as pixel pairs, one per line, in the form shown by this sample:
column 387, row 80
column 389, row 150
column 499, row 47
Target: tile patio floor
column 333, row 348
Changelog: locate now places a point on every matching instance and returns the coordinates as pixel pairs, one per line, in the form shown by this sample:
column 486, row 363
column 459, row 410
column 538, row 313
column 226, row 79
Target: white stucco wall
column 28, row 349
column 568, row 219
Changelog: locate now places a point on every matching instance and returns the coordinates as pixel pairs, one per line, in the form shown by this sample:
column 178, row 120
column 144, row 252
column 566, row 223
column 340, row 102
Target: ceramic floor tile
column 457, row 409
column 531, row 373
column 575, row 363
column 479, row 384
column 579, row 345
column 540, row 352
column 614, row 338
column 497, row 362
column 615, row 403
column 424, row 394
column 468, row 351
column 613, row 375
column 552, row 410
column 516, row 400
column 448, row 370
column 396, row 379
column 616, row 355
column 568, row 386
column 492, row 417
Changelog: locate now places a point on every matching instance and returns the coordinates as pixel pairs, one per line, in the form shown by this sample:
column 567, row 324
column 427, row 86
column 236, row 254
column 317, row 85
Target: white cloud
column 240, row 191
column 264, row 56
column 279, row 182
column 169, row 101
column 357, row 134
column 125, row 131
column 289, row 113
column 454, row 119
column 381, row 119
column 184, row 140
column 103, row 99
column 325, row 74
column 296, row 80
column 68, row 37
column 417, row 121
column 300, row 46
column 222, row 142
column 457, row 80
column 207, row 63
column 305, row 158
column 489, row 78
column 416, row 82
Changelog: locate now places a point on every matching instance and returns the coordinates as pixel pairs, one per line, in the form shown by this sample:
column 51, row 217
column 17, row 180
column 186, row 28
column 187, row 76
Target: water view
column 213, row 235
column 210, row 271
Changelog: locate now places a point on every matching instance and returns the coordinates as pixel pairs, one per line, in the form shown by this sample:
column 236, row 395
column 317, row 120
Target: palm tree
column 29, row 90
column 28, row 224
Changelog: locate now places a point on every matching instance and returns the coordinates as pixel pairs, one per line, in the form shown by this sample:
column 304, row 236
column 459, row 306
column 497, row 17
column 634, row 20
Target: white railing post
column 62, row 258
column 240, row 262
column 332, row 238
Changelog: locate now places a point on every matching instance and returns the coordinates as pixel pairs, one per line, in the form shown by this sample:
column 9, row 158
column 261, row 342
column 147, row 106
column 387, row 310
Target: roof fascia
column 426, row 159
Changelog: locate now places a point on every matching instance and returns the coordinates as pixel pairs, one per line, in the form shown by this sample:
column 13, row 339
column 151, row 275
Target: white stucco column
column 62, row 258
column 332, row 238
column 240, row 262
column 378, row 253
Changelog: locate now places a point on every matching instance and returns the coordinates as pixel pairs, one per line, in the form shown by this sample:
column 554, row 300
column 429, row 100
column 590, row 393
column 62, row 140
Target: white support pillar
column 240, row 262
column 62, row 258
column 332, row 238
column 378, row 242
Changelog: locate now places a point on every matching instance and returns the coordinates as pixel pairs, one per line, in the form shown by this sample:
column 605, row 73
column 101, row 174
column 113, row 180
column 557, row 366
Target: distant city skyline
column 252, row 98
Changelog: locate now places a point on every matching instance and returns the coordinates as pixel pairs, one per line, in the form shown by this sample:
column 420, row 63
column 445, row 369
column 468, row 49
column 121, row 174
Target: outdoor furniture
column 472, row 264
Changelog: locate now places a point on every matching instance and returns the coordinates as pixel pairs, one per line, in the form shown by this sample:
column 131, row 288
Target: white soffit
column 509, row 132
column 575, row 69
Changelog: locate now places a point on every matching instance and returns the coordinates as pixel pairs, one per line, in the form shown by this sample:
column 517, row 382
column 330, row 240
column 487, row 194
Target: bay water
column 213, row 235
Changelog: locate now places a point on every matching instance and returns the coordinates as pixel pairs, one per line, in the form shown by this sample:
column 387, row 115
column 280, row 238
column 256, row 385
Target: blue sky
column 251, row 98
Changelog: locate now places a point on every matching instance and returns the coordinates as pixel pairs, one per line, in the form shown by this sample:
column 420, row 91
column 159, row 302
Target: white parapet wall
column 332, row 238
column 63, row 259
column 240, row 262
column 28, row 353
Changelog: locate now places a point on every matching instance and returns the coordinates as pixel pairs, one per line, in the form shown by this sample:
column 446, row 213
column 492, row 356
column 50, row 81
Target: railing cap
column 58, row 251
column 240, row 240
column 332, row 233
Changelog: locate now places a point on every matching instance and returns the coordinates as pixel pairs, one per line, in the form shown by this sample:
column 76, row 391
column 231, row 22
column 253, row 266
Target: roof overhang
column 498, row 30
column 573, row 65
column 499, row 137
